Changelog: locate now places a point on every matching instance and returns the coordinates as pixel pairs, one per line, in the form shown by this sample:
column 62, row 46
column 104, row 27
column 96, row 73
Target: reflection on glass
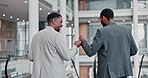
column 123, row 4
column 0, row 46
column 69, row 3
column 100, row 4
column 22, row 47
column 114, row 4
column 142, row 3
column 70, row 37
column 7, row 38
column 92, row 31
column 142, row 38
column 91, row 71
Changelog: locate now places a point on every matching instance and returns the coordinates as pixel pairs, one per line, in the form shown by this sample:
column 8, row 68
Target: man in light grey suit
column 48, row 50
column 114, row 45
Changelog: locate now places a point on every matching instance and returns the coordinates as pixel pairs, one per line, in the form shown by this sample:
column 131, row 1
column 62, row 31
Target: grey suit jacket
column 114, row 45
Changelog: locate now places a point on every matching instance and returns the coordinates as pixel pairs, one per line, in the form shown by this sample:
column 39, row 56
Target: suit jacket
column 114, row 45
column 48, row 51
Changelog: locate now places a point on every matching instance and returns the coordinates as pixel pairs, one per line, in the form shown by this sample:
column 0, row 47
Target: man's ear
column 53, row 21
column 105, row 19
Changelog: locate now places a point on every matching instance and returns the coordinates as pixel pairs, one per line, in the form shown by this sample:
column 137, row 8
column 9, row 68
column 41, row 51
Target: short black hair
column 108, row 13
column 53, row 15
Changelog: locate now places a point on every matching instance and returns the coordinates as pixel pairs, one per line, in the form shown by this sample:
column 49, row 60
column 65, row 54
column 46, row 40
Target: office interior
column 21, row 19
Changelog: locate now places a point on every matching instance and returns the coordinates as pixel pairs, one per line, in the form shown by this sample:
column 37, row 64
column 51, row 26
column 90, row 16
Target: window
column 92, row 31
column 0, row 47
column 100, row 4
column 142, row 38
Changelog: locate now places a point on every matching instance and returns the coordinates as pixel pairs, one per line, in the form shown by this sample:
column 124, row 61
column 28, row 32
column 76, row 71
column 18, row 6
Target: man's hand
column 77, row 43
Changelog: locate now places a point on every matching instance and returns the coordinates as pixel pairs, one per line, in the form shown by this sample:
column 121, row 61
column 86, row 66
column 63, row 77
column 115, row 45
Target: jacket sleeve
column 91, row 50
column 62, row 48
column 31, row 53
column 133, row 48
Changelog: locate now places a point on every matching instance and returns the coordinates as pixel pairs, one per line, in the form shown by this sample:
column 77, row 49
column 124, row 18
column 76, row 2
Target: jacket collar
column 112, row 23
column 49, row 27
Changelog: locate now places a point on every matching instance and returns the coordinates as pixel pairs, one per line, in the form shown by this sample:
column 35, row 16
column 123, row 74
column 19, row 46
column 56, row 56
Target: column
column 76, row 25
column 147, row 38
column 33, row 20
column 135, row 28
column 0, row 70
column 55, row 5
column 63, row 13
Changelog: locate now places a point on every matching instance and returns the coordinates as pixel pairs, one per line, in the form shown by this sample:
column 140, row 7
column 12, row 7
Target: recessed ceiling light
column 17, row 19
column 123, row 20
column 11, row 17
column 25, row 1
column 23, row 20
column 4, row 15
column 40, row 8
column 71, row 24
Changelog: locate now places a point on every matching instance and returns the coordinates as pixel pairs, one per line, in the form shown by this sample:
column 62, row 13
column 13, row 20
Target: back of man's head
column 108, row 13
column 53, row 15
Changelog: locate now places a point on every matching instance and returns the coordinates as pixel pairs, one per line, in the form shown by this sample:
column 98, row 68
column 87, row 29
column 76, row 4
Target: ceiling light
column 71, row 24
column 4, row 15
column 23, row 20
column 11, row 17
column 17, row 19
column 25, row 1
column 123, row 20
column 40, row 8
column 48, row 13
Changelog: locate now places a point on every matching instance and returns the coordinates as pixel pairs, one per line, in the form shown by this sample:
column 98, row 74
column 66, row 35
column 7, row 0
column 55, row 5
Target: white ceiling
column 19, row 9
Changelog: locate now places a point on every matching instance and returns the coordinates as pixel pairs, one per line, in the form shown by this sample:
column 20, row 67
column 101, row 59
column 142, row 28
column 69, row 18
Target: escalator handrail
column 6, row 65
